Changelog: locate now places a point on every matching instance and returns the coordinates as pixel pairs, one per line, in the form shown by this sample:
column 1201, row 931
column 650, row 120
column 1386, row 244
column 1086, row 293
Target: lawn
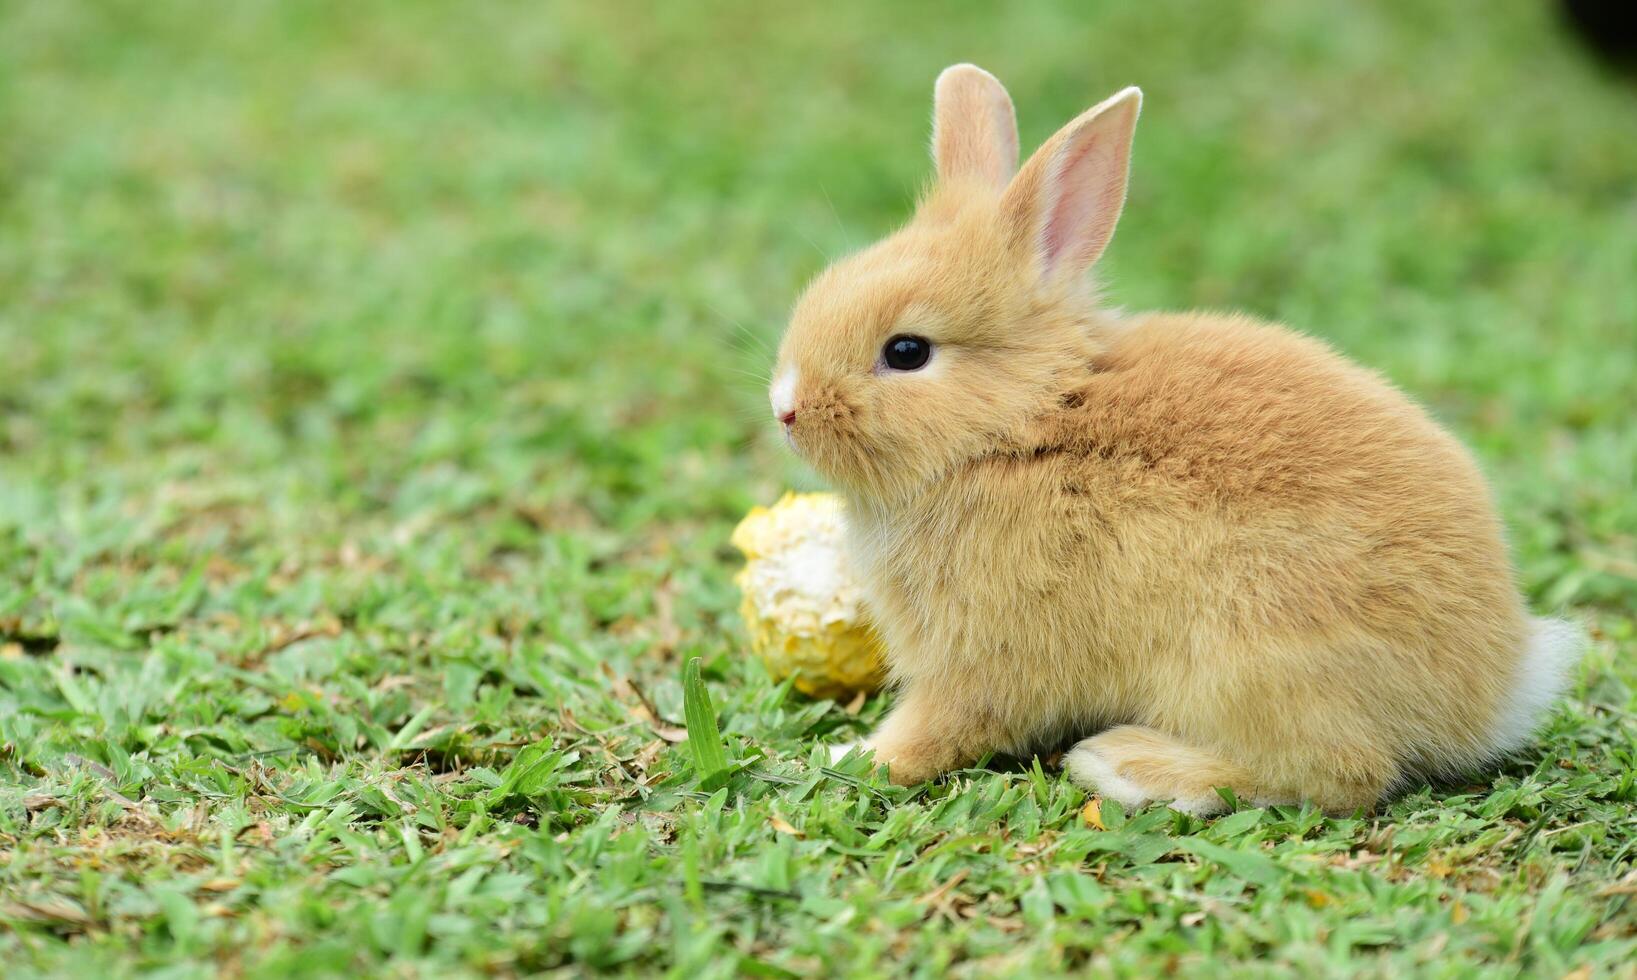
column 380, row 382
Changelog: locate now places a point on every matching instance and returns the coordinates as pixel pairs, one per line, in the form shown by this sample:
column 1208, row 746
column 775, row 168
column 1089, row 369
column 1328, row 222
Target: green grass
column 377, row 394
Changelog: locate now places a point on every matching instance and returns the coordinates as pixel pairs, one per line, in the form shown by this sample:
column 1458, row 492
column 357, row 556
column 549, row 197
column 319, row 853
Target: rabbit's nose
column 783, row 396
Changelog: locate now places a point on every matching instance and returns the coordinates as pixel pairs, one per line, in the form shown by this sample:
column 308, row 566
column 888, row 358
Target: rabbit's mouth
column 821, row 430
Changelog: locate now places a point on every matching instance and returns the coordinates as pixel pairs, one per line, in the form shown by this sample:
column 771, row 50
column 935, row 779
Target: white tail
column 1554, row 647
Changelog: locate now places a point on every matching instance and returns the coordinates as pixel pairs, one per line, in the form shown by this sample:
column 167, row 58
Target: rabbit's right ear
column 974, row 129
column 1064, row 203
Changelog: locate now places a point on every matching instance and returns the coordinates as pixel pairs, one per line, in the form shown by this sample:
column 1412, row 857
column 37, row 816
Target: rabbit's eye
column 906, row 353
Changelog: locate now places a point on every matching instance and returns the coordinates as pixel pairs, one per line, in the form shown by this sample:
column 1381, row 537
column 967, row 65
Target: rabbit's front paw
column 910, row 768
column 903, row 767
column 1136, row 766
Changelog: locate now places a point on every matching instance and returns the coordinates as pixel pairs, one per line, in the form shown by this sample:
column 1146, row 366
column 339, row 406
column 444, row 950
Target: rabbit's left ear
column 1065, row 202
column 974, row 128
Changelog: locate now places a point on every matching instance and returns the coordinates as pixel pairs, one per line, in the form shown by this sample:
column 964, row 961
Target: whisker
column 749, row 344
column 845, row 238
column 816, row 247
column 761, row 376
column 754, row 360
column 743, row 332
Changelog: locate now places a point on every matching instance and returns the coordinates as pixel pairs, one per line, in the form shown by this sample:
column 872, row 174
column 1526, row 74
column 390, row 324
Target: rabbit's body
column 1263, row 565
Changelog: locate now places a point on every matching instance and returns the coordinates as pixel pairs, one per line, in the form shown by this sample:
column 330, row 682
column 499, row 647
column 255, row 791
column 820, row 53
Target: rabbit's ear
column 1065, row 201
column 974, row 130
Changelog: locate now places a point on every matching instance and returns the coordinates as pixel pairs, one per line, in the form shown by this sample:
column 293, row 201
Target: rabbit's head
column 931, row 346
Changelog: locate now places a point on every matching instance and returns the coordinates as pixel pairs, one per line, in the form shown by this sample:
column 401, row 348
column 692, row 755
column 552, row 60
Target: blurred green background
column 378, row 381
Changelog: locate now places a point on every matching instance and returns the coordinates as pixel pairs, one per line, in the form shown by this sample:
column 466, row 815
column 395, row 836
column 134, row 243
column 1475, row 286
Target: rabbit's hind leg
column 1135, row 765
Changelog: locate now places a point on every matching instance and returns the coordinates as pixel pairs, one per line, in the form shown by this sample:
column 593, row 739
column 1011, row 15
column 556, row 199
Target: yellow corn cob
column 804, row 612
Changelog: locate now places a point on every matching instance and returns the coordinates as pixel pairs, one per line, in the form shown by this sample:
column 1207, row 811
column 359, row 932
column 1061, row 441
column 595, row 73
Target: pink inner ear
column 1089, row 196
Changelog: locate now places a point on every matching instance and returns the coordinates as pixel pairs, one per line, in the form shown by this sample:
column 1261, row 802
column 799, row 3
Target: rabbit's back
column 1232, row 410
column 1334, row 498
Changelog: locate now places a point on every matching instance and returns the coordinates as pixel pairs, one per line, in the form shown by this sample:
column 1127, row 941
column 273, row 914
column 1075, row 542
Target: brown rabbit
column 1247, row 561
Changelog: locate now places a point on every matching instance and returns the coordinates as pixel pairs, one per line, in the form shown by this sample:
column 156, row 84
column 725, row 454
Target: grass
column 378, row 393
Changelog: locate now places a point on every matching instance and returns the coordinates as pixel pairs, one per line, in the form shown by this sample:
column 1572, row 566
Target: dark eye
column 906, row 353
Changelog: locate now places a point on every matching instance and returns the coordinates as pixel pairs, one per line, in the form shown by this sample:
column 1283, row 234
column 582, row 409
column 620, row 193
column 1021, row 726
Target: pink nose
column 788, row 418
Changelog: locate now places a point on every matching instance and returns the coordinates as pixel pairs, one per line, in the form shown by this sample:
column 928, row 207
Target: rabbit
column 1243, row 561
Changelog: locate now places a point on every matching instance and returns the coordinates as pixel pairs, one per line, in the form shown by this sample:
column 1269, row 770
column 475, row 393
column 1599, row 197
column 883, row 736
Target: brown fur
column 1266, row 565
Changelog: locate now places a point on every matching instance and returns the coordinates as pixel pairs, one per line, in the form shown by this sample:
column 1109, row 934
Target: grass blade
column 704, row 738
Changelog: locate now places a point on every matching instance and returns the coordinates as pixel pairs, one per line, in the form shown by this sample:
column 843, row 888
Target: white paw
column 1090, row 770
column 838, row 752
column 1200, row 806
